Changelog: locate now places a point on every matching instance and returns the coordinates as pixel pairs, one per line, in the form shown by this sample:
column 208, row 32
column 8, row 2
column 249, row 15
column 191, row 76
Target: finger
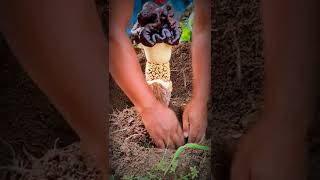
column 191, row 138
column 169, row 144
column 180, row 135
column 185, row 124
column 192, row 135
column 200, row 136
column 160, row 144
column 178, row 139
column 175, row 139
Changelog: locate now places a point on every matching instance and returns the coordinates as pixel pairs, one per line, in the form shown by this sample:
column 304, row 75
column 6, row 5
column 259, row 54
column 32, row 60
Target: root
column 162, row 94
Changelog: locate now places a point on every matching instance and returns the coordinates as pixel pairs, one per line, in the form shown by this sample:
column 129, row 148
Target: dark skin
column 61, row 45
column 160, row 121
column 275, row 148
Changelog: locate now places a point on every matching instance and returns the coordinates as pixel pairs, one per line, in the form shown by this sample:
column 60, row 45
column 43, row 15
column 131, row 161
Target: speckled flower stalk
column 157, row 71
column 157, row 31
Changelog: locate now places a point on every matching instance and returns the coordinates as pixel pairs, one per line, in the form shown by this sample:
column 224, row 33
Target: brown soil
column 133, row 153
column 238, row 70
column 64, row 163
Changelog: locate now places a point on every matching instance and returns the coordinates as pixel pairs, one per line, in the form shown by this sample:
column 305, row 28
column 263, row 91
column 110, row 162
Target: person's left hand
column 195, row 120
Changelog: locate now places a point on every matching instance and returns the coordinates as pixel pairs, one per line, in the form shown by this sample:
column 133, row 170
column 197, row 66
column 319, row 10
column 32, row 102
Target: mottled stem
column 157, row 71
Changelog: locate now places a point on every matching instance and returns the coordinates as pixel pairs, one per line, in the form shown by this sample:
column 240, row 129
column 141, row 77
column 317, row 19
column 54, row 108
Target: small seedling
column 168, row 169
column 174, row 162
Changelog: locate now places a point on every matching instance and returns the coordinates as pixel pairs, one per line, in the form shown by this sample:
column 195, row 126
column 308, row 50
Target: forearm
column 126, row 71
column 201, row 51
column 60, row 44
column 291, row 46
column 124, row 66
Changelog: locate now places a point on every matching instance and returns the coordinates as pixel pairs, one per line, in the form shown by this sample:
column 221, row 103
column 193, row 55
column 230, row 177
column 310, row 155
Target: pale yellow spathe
column 159, row 53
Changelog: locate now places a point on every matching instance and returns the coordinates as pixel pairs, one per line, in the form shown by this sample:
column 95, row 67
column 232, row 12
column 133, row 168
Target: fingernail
column 185, row 134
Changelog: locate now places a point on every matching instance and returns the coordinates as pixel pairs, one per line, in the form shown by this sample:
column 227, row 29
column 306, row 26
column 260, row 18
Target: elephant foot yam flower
column 156, row 31
column 156, row 24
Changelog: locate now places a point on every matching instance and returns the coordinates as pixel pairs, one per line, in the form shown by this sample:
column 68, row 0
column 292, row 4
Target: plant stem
column 181, row 149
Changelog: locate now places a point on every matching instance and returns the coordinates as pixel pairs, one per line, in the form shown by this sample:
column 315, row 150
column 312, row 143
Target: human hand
column 270, row 151
column 162, row 126
column 195, row 120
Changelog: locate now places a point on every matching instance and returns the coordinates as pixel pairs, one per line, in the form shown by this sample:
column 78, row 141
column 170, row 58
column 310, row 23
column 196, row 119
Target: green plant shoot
column 174, row 162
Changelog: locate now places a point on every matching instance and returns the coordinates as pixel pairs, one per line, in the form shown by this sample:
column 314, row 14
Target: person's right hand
column 162, row 126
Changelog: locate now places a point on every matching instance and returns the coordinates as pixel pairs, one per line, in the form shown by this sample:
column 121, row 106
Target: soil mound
column 134, row 154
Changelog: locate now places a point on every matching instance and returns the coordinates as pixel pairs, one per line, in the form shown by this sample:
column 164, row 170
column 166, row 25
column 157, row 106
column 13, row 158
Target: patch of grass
column 168, row 169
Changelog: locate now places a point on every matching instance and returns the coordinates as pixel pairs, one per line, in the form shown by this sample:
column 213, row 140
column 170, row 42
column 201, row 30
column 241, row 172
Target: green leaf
column 186, row 33
column 194, row 172
column 174, row 162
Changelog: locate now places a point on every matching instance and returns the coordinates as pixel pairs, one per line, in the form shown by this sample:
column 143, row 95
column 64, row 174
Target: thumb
column 185, row 124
